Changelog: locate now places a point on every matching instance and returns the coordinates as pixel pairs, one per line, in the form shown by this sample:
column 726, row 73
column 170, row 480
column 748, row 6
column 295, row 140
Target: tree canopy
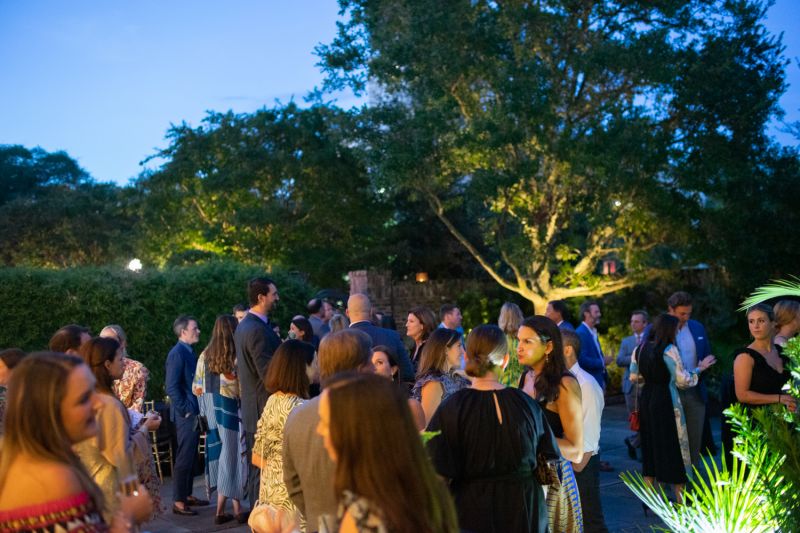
column 569, row 132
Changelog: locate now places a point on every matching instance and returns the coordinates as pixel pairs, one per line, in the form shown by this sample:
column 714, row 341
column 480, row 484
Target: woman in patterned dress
column 216, row 385
column 287, row 382
column 665, row 442
column 436, row 377
column 131, row 390
column 52, row 403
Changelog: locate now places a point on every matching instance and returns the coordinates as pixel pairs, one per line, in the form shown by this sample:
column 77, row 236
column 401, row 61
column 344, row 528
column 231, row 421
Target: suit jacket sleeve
column 588, row 358
column 290, row 476
column 260, row 349
column 176, row 390
column 625, row 351
column 702, row 344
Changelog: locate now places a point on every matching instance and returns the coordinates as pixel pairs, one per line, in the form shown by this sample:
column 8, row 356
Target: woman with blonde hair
column 787, row 321
column 509, row 321
column 338, row 322
column 215, row 378
column 44, row 485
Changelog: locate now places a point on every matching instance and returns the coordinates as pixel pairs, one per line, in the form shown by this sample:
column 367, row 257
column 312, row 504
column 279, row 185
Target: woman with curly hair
column 216, row 384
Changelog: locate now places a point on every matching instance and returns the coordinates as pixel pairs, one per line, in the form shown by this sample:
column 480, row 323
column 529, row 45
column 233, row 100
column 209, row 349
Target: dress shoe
column 605, row 466
column 631, row 448
column 242, row 517
column 183, row 512
column 222, row 518
column 196, row 502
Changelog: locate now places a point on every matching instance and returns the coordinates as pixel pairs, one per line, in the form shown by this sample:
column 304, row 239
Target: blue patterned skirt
column 564, row 513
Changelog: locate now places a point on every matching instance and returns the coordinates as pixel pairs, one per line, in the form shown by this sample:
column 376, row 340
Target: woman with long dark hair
column 109, row 457
column 383, row 476
column 436, row 379
column 665, row 442
column 490, row 438
column 547, row 380
column 44, row 485
column 216, row 380
column 421, row 322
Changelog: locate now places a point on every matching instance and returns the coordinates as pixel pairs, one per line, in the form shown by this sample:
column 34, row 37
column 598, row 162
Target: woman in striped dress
column 217, row 386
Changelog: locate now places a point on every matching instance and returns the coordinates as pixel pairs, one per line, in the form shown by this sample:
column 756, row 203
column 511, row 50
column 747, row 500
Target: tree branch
column 438, row 209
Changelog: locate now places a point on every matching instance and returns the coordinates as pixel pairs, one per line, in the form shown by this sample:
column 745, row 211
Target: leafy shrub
column 39, row 301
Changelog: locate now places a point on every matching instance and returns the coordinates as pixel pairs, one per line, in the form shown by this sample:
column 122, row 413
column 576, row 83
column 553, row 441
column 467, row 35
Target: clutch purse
column 201, row 424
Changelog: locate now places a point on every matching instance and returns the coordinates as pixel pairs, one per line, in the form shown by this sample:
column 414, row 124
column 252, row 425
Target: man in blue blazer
column 181, row 365
column 639, row 320
column 694, row 346
column 359, row 310
column 591, row 357
column 255, row 342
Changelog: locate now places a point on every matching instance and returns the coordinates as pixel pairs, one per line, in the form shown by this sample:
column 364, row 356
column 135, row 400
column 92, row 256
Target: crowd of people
column 342, row 426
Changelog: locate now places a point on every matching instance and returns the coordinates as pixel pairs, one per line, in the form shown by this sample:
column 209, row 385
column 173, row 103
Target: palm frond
column 775, row 289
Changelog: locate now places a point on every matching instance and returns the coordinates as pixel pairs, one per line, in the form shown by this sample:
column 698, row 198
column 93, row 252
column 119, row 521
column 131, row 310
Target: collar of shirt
column 263, row 318
column 360, row 322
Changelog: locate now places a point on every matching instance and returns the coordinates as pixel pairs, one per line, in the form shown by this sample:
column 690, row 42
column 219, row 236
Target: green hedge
column 37, row 302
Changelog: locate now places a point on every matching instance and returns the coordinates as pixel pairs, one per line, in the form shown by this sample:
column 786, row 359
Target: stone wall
column 398, row 296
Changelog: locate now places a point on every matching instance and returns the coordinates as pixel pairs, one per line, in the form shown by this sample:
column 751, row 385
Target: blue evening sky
column 103, row 80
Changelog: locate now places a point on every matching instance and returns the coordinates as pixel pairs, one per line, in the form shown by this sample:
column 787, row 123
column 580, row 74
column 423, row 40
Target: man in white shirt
column 587, row 472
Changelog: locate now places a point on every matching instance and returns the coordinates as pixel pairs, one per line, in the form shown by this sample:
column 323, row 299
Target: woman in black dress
column 545, row 378
column 665, row 441
column 490, row 437
column 759, row 370
column 420, row 324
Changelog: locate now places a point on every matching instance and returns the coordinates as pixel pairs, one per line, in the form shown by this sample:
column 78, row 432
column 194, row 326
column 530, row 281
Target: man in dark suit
column 627, row 346
column 181, row 364
column 556, row 311
column 359, row 309
column 255, row 343
column 693, row 345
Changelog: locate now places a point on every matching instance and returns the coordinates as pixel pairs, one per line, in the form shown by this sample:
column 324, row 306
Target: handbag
column 545, row 472
column 633, row 418
column 201, row 424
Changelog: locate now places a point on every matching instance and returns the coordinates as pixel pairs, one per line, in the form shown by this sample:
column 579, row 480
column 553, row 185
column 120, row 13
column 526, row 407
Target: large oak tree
column 548, row 136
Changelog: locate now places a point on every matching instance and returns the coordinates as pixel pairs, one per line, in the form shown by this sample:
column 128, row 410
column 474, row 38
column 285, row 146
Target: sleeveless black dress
column 764, row 380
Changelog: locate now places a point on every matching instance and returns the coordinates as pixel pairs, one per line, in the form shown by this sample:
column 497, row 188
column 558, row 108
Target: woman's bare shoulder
column 38, row 482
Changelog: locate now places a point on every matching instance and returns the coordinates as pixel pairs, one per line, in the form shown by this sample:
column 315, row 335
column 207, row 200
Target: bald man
column 359, row 310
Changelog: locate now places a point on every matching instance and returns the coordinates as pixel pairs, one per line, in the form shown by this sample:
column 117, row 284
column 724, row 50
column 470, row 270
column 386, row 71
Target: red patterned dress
column 73, row 514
